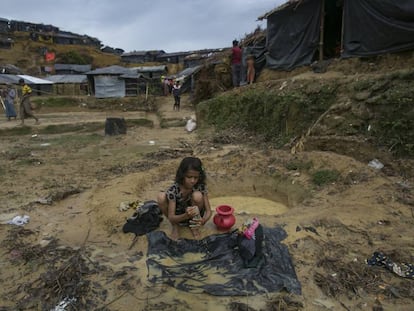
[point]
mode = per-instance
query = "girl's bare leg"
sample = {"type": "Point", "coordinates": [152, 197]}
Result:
{"type": "Point", "coordinates": [174, 233]}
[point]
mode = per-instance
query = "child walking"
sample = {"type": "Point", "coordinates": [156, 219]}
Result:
{"type": "Point", "coordinates": [176, 91]}
{"type": "Point", "coordinates": [186, 202]}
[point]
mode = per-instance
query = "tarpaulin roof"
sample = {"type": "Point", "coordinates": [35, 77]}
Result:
{"type": "Point", "coordinates": [34, 80]}
{"type": "Point", "coordinates": [67, 78]}
{"type": "Point", "coordinates": [73, 67]}
{"type": "Point", "coordinates": [189, 71]}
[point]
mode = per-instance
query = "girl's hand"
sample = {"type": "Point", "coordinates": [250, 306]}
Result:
{"type": "Point", "coordinates": [196, 223]}
{"type": "Point", "coordinates": [192, 211]}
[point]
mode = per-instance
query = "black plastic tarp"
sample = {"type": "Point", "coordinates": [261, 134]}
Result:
{"type": "Point", "coordinates": [369, 28]}
{"type": "Point", "coordinates": [378, 27]}
{"type": "Point", "coordinates": [219, 269]}
{"type": "Point", "coordinates": [293, 35]}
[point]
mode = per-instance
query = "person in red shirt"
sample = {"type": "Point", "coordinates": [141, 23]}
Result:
{"type": "Point", "coordinates": [236, 59]}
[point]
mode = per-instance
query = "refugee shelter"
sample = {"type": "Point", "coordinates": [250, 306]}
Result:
{"type": "Point", "coordinates": [135, 83]}
{"type": "Point", "coordinates": [302, 31]}
{"type": "Point", "coordinates": [107, 82]}
{"type": "Point", "coordinates": [38, 86]}
{"type": "Point", "coordinates": [67, 69]}
{"type": "Point", "coordinates": [172, 58]}
{"type": "Point", "coordinates": [141, 56]}
{"type": "Point", "coordinates": [152, 72]}
{"type": "Point", "coordinates": [70, 84]}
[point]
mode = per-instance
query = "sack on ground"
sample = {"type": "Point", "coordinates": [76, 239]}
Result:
{"type": "Point", "coordinates": [146, 218]}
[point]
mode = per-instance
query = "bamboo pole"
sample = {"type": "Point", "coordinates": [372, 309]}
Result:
{"type": "Point", "coordinates": [322, 27]}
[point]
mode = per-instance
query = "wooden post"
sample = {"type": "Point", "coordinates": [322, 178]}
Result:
{"type": "Point", "coordinates": [342, 29]}
{"type": "Point", "coordinates": [321, 36]}
{"type": "Point", "coordinates": [146, 91]}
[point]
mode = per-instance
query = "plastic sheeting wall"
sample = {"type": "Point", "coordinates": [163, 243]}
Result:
{"type": "Point", "coordinates": [293, 35]}
{"type": "Point", "coordinates": [109, 86]}
{"type": "Point", "coordinates": [371, 27]}
{"type": "Point", "coordinates": [378, 27]}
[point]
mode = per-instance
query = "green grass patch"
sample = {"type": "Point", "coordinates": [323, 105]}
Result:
{"type": "Point", "coordinates": [323, 177]}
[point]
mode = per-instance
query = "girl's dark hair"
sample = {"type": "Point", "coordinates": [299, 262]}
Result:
{"type": "Point", "coordinates": [190, 163]}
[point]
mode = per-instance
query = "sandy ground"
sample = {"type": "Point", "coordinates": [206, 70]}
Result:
{"type": "Point", "coordinates": [331, 230]}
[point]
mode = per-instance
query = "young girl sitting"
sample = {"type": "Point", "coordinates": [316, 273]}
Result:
{"type": "Point", "coordinates": [186, 202]}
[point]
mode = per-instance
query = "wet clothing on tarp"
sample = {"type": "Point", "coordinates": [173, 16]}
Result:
{"type": "Point", "coordinates": [405, 270]}
{"type": "Point", "coordinates": [218, 269]}
{"type": "Point", "coordinates": [146, 218]}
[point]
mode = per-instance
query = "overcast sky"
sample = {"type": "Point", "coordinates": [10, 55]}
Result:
{"type": "Point", "coordinates": [136, 25]}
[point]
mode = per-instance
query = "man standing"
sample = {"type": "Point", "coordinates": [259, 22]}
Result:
{"type": "Point", "coordinates": [236, 57]}
{"type": "Point", "coordinates": [25, 106]}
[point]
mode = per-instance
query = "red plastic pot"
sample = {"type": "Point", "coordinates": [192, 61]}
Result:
{"type": "Point", "coordinates": [224, 219]}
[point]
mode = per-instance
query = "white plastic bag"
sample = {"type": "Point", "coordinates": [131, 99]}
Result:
{"type": "Point", "coordinates": [191, 125]}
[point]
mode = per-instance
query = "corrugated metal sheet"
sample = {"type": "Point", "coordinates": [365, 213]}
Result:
{"type": "Point", "coordinates": [73, 67]}
{"type": "Point", "coordinates": [107, 86]}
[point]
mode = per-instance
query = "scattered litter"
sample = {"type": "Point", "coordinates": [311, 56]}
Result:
{"type": "Point", "coordinates": [124, 206]}
{"type": "Point", "coordinates": [34, 135]}
{"type": "Point", "coordinates": [19, 220]}
{"type": "Point", "coordinates": [151, 142]}
{"type": "Point", "coordinates": [45, 144]}
{"type": "Point", "coordinates": [61, 306]}
{"type": "Point", "coordinates": [191, 125]}
{"type": "Point", "coordinates": [375, 163]}
{"type": "Point", "coordinates": [403, 269]}
{"type": "Point", "coordinates": [284, 84]}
